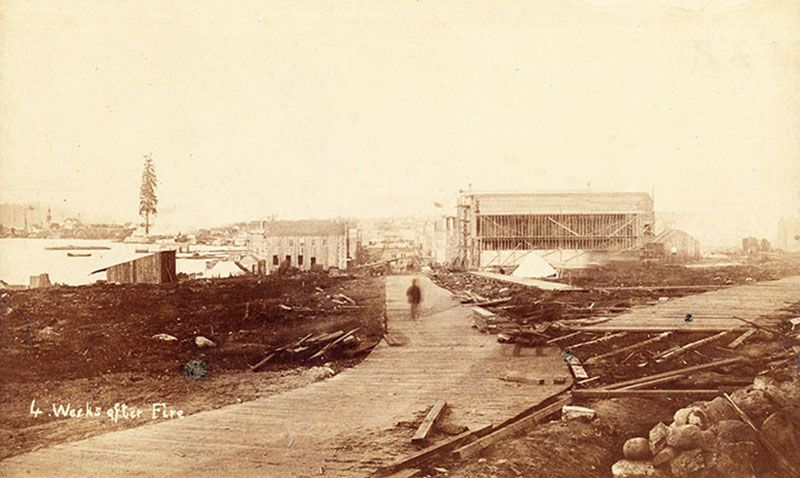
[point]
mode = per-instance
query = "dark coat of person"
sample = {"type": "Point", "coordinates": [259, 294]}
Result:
{"type": "Point", "coordinates": [414, 294]}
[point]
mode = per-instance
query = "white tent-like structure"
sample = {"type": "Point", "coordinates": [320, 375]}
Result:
{"type": "Point", "coordinates": [223, 269]}
{"type": "Point", "coordinates": [534, 267]}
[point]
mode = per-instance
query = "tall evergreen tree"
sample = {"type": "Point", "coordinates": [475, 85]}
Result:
{"type": "Point", "coordinates": [147, 192]}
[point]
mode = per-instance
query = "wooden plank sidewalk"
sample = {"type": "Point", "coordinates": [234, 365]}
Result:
{"type": "Point", "coordinates": [711, 311]}
{"type": "Point", "coordinates": [343, 426]}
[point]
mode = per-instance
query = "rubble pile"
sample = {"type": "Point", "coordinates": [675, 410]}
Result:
{"type": "Point", "coordinates": [522, 313]}
{"type": "Point", "coordinates": [711, 439]}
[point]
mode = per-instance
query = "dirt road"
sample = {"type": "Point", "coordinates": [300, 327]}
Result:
{"type": "Point", "coordinates": [347, 425]}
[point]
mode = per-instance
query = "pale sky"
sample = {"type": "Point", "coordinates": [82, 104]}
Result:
{"type": "Point", "coordinates": [356, 108]}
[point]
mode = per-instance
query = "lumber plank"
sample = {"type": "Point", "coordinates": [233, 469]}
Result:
{"type": "Point", "coordinates": [601, 339]}
{"type": "Point", "coordinates": [606, 393]}
{"type": "Point", "coordinates": [679, 372]}
{"type": "Point", "coordinates": [430, 419]}
{"type": "Point", "coordinates": [655, 381]}
{"type": "Point", "coordinates": [492, 302]}
{"type": "Point", "coordinates": [601, 357]}
{"type": "Point", "coordinates": [564, 337]}
{"type": "Point", "coordinates": [262, 362]}
{"type": "Point", "coordinates": [577, 369]}
{"type": "Point", "coordinates": [740, 339]}
{"type": "Point", "coordinates": [330, 345]}
{"type": "Point", "coordinates": [673, 327]}
{"type": "Point", "coordinates": [519, 426]}
{"type": "Point", "coordinates": [430, 452]}
{"type": "Point", "coordinates": [407, 473]}
{"type": "Point", "coordinates": [763, 327]}
{"type": "Point", "coordinates": [395, 339]}
{"type": "Point", "coordinates": [681, 349]}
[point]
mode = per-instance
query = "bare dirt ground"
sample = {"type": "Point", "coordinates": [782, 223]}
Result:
{"type": "Point", "coordinates": [95, 344]}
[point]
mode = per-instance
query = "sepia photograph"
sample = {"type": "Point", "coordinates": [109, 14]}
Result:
{"type": "Point", "coordinates": [406, 238]}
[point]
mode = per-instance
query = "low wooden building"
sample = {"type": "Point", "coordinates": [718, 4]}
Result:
{"type": "Point", "coordinates": [678, 244]}
{"type": "Point", "coordinates": [158, 268]}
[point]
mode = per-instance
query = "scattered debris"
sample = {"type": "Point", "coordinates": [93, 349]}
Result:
{"type": "Point", "coordinates": [320, 373]}
{"type": "Point", "coordinates": [509, 429]}
{"type": "Point", "coordinates": [634, 346]}
{"type": "Point", "coordinates": [311, 347]}
{"type": "Point", "coordinates": [426, 455]}
{"type": "Point", "coordinates": [201, 342]}
{"type": "Point", "coordinates": [165, 337]}
{"type": "Point", "coordinates": [574, 412]}
{"type": "Point", "coordinates": [681, 349]}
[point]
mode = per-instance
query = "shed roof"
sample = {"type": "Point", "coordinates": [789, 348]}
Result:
{"type": "Point", "coordinates": [159, 253]}
{"type": "Point", "coordinates": [666, 234]}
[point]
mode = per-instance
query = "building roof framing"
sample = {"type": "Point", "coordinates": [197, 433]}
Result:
{"type": "Point", "coordinates": [580, 221]}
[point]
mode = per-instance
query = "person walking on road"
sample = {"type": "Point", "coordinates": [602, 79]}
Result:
{"type": "Point", "coordinates": [414, 298]}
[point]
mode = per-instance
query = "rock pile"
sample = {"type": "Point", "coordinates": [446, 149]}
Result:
{"type": "Point", "coordinates": [707, 439]}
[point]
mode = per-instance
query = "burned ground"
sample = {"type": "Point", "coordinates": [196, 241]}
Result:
{"type": "Point", "coordinates": [96, 343]}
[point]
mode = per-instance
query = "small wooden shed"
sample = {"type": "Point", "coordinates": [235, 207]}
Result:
{"type": "Point", "coordinates": [158, 268]}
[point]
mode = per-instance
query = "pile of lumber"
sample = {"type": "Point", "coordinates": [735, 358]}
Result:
{"type": "Point", "coordinates": [311, 348]}
{"type": "Point", "coordinates": [488, 322]}
{"type": "Point", "coordinates": [469, 297]}
{"type": "Point", "coordinates": [509, 331]}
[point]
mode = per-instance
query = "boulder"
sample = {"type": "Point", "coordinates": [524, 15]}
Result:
{"type": "Point", "coordinates": [784, 394]}
{"type": "Point", "coordinates": [658, 438]}
{"type": "Point", "coordinates": [707, 439]}
{"type": "Point", "coordinates": [733, 431]}
{"type": "Point", "coordinates": [687, 463]}
{"type": "Point", "coordinates": [783, 431]}
{"type": "Point", "coordinates": [698, 417]}
{"type": "Point", "coordinates": [665, 456]}
{"type": "Point", "coordinates": [637, 449]}
{"type": "Point", "coordinates": [756, 404]}
{"type": "Point", "coordinates": [681, 417]}
{"type": "Point", "coordinates": [635, 469]}
{"type": "Point", "coordinates": [763, 382]}
{"type": "Point", "coordinates": [684, 437]}
{"type": "Point", "coordinates": [736, 460]}
{"type": "Point", "coordinates": [719, 409]}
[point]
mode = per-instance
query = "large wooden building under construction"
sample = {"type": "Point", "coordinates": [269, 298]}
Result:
{"type": "Point", "coordinates": [568, 229]}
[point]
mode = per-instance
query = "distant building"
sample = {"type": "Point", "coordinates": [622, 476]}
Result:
{"type": "Point", "coordinates": [304, 244]}
{"type": "Point", "coordinates": [158, 268]}
{"type": "Point", "coordinates": [788, 235]}
{"type": "Point", "coordinates": [678, 244]}
{"type": "Point", "coordinates": [445, 240]}
{"type": "Point", "coordinates": [568, 229]}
